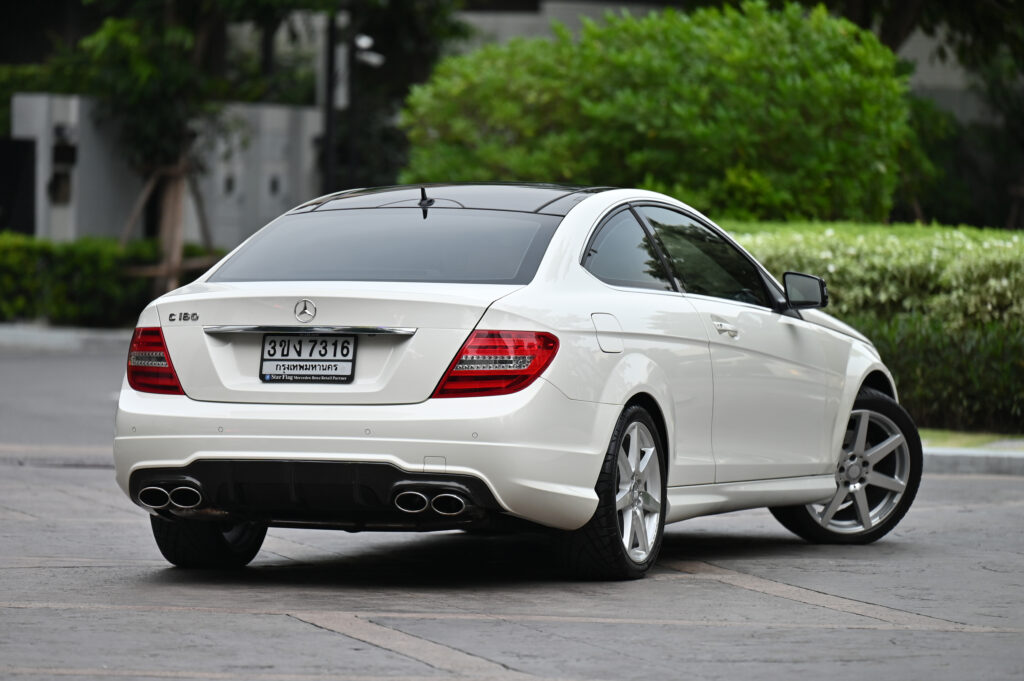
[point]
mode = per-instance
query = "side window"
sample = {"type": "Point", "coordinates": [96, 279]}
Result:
{"type": "Point", "coordinates": [706, 263]}
{"type": "Point", "coordinates": [622, 254]}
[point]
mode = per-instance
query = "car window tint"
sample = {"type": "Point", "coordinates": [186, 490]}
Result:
{"type": "Point", "coordinates": [444, 245]}
{"type": "Point", "coordinates": [706, 263]}
{"type": "Point", "coordinates": [622, 254]}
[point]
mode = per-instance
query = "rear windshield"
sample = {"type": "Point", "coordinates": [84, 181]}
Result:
{"type": "Point", "coordinates": [449, 245]}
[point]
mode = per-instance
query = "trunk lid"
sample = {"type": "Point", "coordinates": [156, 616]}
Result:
{"type": "Point", "coordinates": [405, 336]}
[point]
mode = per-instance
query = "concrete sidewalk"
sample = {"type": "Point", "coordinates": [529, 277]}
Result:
{"type": "Point", "coordinates": [1004, 457]}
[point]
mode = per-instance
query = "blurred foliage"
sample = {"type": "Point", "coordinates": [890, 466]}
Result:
{"type": "Point", "coordinates": [411, 35]}
{"type": "Point", "coordinates": [942, 305]}
{"type": "Point", "coordinates": [149, 79]}
{"type": "Point", "coordinates": [163, 69]}
{"type": "Point", "coordinates": [970, 30]}
{"type": "Point", "coordinates": [78, 283]}
{"type": "Point", "coordinates": [21, 281]}
{"type": "Point", "coordinates": [755, 113]}
{"type": "Point", "coordinates": [159, 70]}
{"type": "Point", "coordinates": [964, 173]}
{"type": "Point", "coordinates": [924, 157]}
{"type": "Point", "coordinates": [969, 379]}
{"type": "Point", "coordinates": [959, 276]}
{"type": "Point", "coordinates": [291, 81]}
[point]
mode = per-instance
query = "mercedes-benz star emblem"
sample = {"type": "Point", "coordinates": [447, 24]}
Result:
{"type": "Point", "coordinates": [305, 310]}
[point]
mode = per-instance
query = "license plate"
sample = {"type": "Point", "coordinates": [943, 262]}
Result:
{"type": "Point", "coordinates": [307, 359]}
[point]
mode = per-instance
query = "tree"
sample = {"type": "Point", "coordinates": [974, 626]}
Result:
{"type": "Point", "coordinates": [746, 112]}
{"type": "Point", "coordinates": [411, 35]}
{"type": "Point", "coordinates": [974, 31]}
{"type": "Point", "coordinates": [161, 71]}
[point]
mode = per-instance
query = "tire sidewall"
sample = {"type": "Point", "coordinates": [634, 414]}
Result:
{"type": "Point", "coordinates": [608, 485]}
{"type": "Point", "coordinates": [799, 519]}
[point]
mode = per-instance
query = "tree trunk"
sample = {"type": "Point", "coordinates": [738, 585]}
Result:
{"type": "Point", "coordinates": [268, 29]}
{"type": "Point", "coordinates": [172, 229]}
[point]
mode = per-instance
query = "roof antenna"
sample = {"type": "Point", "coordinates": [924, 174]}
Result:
{"type": "Point", "coordinates": [425, 203]}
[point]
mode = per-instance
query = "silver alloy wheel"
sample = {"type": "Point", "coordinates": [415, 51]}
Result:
{"type": "Point", "coordinates": [638, 499]}
{"type": "Point", "coordinates": [872, 475]}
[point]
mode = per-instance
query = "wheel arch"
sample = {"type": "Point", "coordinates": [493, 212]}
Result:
{"type": "Point", "coordinates": [879, 381]}
{"type": "Point", "coordinates": [863, 370]}
{"type": "Point", "coordinates": [651, 406]}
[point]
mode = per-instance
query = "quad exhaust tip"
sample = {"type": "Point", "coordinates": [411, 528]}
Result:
{"type": "Point", "coordinates": [411, 502]}
{"type": "Point", "coordinates": [155, 498]}
{"type": "Point", "coordinates": [185, 497]}
{"type": "Point", "coordinates": [448, 504]}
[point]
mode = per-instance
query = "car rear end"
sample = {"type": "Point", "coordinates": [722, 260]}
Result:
{"type": "Point", "coordinates": [333, 372]}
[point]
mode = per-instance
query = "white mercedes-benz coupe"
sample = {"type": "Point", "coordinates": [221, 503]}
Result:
{"type": "Point", "coordinates": [593, 361]}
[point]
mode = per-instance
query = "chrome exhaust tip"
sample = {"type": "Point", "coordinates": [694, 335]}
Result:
{"type": "Point", "coordinates": [155, 498]}
{"type": "Point", "coordinates": [448, 504]}
{"type": "Point", "coordinates": [185, 497]}
{"type": "Point", "coordinates": [411, 502]}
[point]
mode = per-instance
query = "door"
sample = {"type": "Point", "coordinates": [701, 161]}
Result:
{"type": "Point", "coordinates": [771, 381]}
{"type": "Point", "coordinates": [644, 324]}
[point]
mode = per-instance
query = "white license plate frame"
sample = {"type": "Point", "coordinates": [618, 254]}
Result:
{"type": "Point", "coordinates": [307, 358]}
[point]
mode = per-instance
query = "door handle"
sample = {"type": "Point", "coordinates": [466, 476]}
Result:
{"type": "Point", "coordinates": [723, 327]}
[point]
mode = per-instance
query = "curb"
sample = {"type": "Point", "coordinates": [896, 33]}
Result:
{"type": "Point", "coordinates": [40, 337]}
{"type": "Point", "coordinates": [977, 461]}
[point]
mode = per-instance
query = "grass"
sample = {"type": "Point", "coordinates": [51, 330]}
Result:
{"type": "Point", "coordinates": [951, 438]}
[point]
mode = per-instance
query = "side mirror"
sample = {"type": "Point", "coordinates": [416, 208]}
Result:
{"type": "Point", "coordinates": [804, 291]}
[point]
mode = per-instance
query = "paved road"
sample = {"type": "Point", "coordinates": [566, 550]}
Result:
{"type": "Point", "coordinates": [59, 406]}
{"type": "Point", "coordinates": [84, 594]}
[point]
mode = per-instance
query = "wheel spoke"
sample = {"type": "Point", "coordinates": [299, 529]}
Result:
{"type": "Point", "coordinates": [640, 527]}
{"type": "Point", "coordinates": [884, 449]}
{"type": "Point", "coordinates": [860, 442]}
{"type": "Point", "coordinates": [860, 502]}
{"type": "Point", "coordinates": [622, 499]}
{"type": "Point", "coordinates": [625, 470]}
{"type": "Point", "coordinates": [634, 447]}
{"type": "Point", "coordinates": [649, 503]}
{"type": "Point", "coordinates": [627, 528]}
{"type": "Point", "coordinates": [833, 506]}
{"type": "Point", "coordinates": [885, 482]}
{"type": "Point", "coordinates": [645, 462]}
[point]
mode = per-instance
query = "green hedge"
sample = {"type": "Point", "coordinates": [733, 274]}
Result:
{"type": "Point", "coordinates": [80, 283]}
{"type": "Point", "coordinates": [22, 262]}
{"type": "Point", "coordinates": [968, 379]}
{"type": "Point", "coordinates": [962, 276]}
{"type": "Point", "coordinates": [942, 305]}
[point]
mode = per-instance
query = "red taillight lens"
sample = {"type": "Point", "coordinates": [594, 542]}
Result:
{"type": "Point", "coordinates": [497, 363]}
{"type": "Point", "coordinates": [149, 365]}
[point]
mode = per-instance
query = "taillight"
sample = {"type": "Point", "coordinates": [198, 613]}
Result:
{"type": "Point", "coordinates": [497, 363]}
{"type": "Point", "coordinates": [149, 365]}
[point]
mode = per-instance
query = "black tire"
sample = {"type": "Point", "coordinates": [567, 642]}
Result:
{"type": "Point", "coordinates": [865, 486]}
{"type": "Point", "coordinates": [204, 544]}
{"type": "Point", "coordinates": [598, 549]}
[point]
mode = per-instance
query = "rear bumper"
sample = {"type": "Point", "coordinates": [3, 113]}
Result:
{"type": "Point", "coordinates": [536, 452]}
{"type": "Point", "coordinates": [341, 495]}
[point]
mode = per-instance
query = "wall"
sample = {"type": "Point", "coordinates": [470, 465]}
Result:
{"type": "Point", "coordinates": [102, 186]}
{"type": "Point", "coordinates": [266, 166]}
